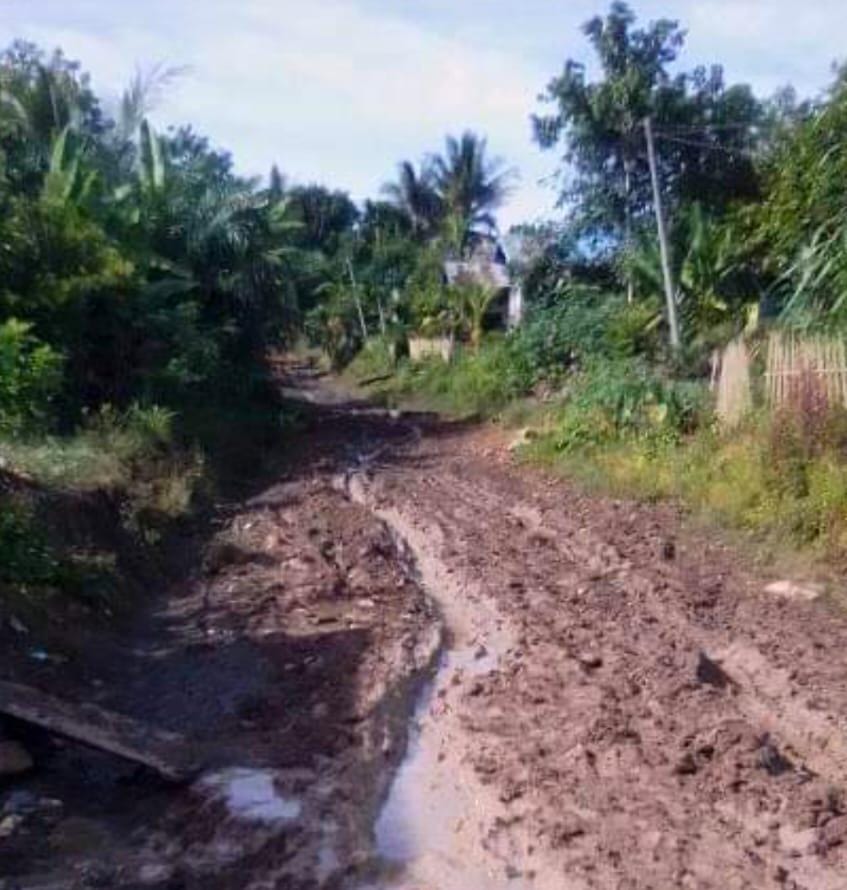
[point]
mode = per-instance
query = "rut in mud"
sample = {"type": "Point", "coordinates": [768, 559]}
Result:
{"type": "Point", "coordinates": [615, 703]}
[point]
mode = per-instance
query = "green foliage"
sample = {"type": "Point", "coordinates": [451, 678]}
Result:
{"type": "Point", "coordinates": [475, 383]}
{"type": "Point", "coordinates": [612, 401]}
{"type": "Point", "coordinates": [25, 556]}
{"type": "Point", "coordinates": [599, 124]}
{"type": "Point", "coordinates": [768, 478]}
{"type": "Point", "coordinates": [30, 376]}
{"type": "Point", "coordinates": [377, 358]}
{"type": "Point", "coordinates": [452, 199]}
{"type": "Point", "coordinates": [584, 323]}
{"type": "Point", "coordinates": [799, 232]}
{"type": "Point", "coordinates": [710, 269]}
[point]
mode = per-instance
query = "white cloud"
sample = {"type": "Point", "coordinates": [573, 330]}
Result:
{"type": "Point", "coordinates": [340, 90]}
{"type": "Point", "coordinates": [330, 91]}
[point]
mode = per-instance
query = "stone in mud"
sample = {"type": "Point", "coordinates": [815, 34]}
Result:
{"type": "Point", "coordinates": [711, 673]}
{"type": "Point", "coordinates": [590, 660]}
{"type": "Point", "coordinates": [155, 874]}
{"type": "Point", "coordinates": [320, 711]}
{"type": "Point", "coordinates": [770, 759]}
{"type": "Point", "coordinates": [569, 827]}
{"type": "Point", "coordinates": [790, 590]}
{"type": "Point", "coordinates": [9, 825]}
{"type": "Point", "coordinates": [686, 765]}
{"type": "Point", "coordinates": [14, 758]}
{"type": "Point", "coordinates": [834, 833]}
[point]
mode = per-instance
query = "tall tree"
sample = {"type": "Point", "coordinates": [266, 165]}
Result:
{"type": "Point", "coordinates": [471, 186]}
{"type": "Point", "coordinates": [705, 130]}
{"type": "Point", "coordinates": [414, 193]}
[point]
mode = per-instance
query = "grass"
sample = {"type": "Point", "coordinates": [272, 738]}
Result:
{"type": "Point", "coordinates": [730, 480]}
{"type": "Point", "coordinates": [620, 427]}
{"type": "Point", "coordinates": [131, 455]}
{"type": "Point", "coordinates": [476, 383]}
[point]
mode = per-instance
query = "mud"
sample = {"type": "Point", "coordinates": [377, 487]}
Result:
{"type": "Point", "coordinates": [413, 663]}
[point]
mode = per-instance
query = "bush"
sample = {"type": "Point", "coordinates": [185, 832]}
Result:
{"type": "Point", "coordinates": [30, 377]}
{"type": "Point", "coordinates": [376, 358]}
{"type": "Point", "coordinates": [585, 324]}
{"type": "Point", "coordinates": [613, 400]}
{"type": "Point", "coordinates": [476, 382]}
{"type": "Point", "coordinates": [132, 452]}
{"type": "Point", "coordinates": [25, 557]}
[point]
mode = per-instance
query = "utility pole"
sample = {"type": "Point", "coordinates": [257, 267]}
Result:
{"type": "Point", "coordinates": [670, 294]}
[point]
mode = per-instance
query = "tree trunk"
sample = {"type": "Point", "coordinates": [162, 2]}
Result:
{"type": "Point", "coordinates": [627, 187]}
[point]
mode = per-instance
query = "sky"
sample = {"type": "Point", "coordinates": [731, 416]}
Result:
{"type": "Point", "coordinates": [339, 91]}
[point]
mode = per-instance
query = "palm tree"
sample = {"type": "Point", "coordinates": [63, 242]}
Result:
{"type": "Point", "coordinates": [414, 193]}
{"type": "Point", "coordinates": [470, 186]}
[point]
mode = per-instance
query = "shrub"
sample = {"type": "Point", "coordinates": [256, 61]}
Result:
{"type": "Point", "coordinates": [613, 400]}
{"type": "Point", "coordinates": [30, 376]}
{"type": "Point", "coordinates": [474, 383]}
{"type": "Point", "coordinates": [585, 324]}
{"type": "Point", "coordinates": [376, 358]}
{"type": "Point", "coordinates": [25, 557]}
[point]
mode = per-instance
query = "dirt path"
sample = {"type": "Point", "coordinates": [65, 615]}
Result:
{"type": "Point", "coordinates": [590, 696]}
{"type": "Point", "coordinates": [659, 720]}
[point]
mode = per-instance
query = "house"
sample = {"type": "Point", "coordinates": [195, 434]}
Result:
{"type": "Point", "coordinates": [487, 265]}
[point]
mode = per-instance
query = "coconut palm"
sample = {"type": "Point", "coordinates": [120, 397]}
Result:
{"type": "Point", "coordinates": [414, 193]}
{"type": "Point", "coordinates": [470, 186]}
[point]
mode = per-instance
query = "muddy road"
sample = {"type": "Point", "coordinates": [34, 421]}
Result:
{"type": "Point", "coordinates": [413, 663]}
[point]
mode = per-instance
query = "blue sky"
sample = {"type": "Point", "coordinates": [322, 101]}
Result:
{"type": "Point", "coordinates": [339, 90]}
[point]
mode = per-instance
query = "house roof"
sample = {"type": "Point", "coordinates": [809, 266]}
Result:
{"type": "Point", "coordinates": [478, 271]}
{"type": "Point", "coordinates": [486, 265]}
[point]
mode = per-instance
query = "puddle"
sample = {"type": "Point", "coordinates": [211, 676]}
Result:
{"type": "Point", "coordinates": [428, 830]}
{"type": "Point", "coordinates": [251, 795]}
{"type": "Point", "coordinates": [432, 832]}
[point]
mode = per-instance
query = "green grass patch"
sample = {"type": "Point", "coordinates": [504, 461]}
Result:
{"type": "Point", "coordinates": [732, 480]}
{"type": "Point", "coordinates": [475, 383]}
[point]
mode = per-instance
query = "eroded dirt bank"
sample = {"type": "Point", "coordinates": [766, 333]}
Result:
{"type": "Point", "coordinates": [619, 704]}
{"type": "Point", "coordinates": [289, 660]}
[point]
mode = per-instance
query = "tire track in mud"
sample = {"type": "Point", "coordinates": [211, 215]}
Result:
{"type": "Point", "coordinates": [638, 732]}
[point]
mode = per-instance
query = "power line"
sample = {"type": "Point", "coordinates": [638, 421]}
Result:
{"type": "Point", "coordinates": [708, 146]}
{"type": "Point", "coordinates": [699, 128]}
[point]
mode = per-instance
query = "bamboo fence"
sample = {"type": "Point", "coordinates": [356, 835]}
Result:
{"type": "Point", "coordinates": [792, 359]}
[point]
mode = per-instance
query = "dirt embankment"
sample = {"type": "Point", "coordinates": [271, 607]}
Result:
{"type": "Point", "coordinates": [620, 703]}
{"type": "Point", "coordinates": [289, 660]}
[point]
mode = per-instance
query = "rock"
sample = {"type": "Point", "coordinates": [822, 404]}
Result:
{"type": "Point", "coordinates": [790, 590]}
{"type": "Point", "coordinates": [834, 833]}
{"type": "Point", "coordinates": [570, 826]}
{"type": "Point", "coordinates": [14, 758]}
{"type": "Point", "coordinates": [320, 711]}
{"type": "Point", "coordinates": [155, 874]}
{"type": "Point", "coordinates": [668, 550]}
{"type": "Point", "coordinates": [9, 825]}
{"type": "Point", "coordinates": [17, 625]}
{"type": "Point", "coordinates": [19, 803]}
{"type": "Point", "coordinates": [523, 437]}
{"type": "Point", "coordinates": [686, 765]}
{"type": "Point", "coordinates": [770, 758]}
{"type": "Point", "coordinates": [590, 660]}
{"type": "Point", "coordinates": [711, 673]}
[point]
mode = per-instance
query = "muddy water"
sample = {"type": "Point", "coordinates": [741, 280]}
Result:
{"type": "Point", "coordinates": [429, 830]}
{"type": "Point", "coordinates": [434, 830]}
